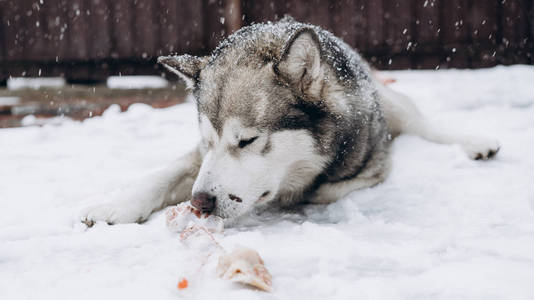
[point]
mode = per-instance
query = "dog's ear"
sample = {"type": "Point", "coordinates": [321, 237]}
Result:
{"type": "Point", "coordinates": [186, 66]}
{"type": "Point", "coordinates": [300, 63]}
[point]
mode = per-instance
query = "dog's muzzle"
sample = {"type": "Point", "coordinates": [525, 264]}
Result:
{"type": "Point", "coordinates": [203, 202]}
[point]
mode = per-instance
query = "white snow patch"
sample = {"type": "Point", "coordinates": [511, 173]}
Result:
{"type": "Point", "coordinates": [28, 120]}
{"type": "Point", "coordinates": [9, 100]}
{"type": "Point", "coordinates": [20, 83]}
{"type": "Point", "coordinates": [32, 120]}
{"type": "Point", "coordinates": [440, 227]}
{"type": "Point", "coordinates": [136, 82]}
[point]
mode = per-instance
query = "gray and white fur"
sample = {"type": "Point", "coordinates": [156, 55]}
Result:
{"type": "Point", "coordinates": [288, 114]}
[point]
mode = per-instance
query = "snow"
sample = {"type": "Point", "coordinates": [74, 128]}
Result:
{"type": "Point", "coordinates": [136, 82]}
{"type": "Point", "coordinates": [9, 100]}
{"type": "Point", "coordinates": [20, 83]}
{"type": "Point", "coordinates": [440, 227]}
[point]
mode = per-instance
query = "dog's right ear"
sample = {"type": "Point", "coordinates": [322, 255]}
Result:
{"type": "Point", "coordinates": [300, 63]}
{"type": "Point", "coordinates": [186, 66]}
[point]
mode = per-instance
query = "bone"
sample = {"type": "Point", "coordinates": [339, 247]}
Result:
{"type": "Point", "coordinates": [185, 218]}
{"type": "Point", "coordinates": [244, 265]}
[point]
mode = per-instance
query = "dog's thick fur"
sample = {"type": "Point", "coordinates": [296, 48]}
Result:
{"type": "Point", "coordinates": [288, 113]}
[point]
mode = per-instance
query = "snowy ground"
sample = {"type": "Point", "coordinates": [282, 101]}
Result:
{"type": "Point", "coordinates": [113, 82]}
{"type": "Point", "coordinates": [441, 226]}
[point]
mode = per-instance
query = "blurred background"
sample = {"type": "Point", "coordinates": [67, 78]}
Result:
{"type": "Point", "coordinates": [75, 57]}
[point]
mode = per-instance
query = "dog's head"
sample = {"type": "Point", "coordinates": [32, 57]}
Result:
{"type": "Point", "coordinates": [259, 108]}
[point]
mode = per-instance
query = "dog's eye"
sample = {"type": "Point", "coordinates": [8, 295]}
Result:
{"type": "Point", "coordinates": [244, 143]}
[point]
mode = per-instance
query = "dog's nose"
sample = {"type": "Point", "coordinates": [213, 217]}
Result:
{"type": "Point", "coordinates": [203, 202]}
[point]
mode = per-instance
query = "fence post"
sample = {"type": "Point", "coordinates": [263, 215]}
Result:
{"type": "Point", "coordinates": [232, 13]}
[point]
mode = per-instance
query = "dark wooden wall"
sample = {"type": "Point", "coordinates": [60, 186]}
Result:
{"type": "Point", "coordinates": [87, 40]}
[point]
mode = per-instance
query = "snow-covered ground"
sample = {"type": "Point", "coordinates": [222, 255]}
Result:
{"type": "Point", "coordinates": [20, 83]}
{"type": "Point", "coordinates": [136, 82]}
{"type": "Point", "coordinates": [440, 227]}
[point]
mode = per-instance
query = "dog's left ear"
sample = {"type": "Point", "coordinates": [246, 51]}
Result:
{"type": "Point", "coordinates": [300, 63]}
{"type": "Point", "coordinates": [186, 66]}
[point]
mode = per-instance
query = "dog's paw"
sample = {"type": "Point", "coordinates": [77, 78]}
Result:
{"type": "Point", "coordinates": [111, 214]}
{"type": "Point", "coordinates": [479, 148]}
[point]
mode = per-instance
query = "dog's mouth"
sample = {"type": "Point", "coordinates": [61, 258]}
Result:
{"type": "Point", "coordinates": [263, 197]}
{"type": "Point", "coordinates": [224, 214]}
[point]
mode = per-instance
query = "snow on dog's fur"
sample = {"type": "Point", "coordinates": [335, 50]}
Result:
{"type": "Point", "coordinates": [288, 113]}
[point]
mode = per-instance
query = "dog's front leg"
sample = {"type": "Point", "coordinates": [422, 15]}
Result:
{"type": "Point", "coordinates": [169, 186]}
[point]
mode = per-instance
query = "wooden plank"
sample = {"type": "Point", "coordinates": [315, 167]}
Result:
{"type": "Point", "coordinates": [145, 29]}
{"type": "Point", "coordinates": [398, 29]}
{"type": "Point", "coordinates": [122, 29]}
{"type": "Point", "coordinates": [79, 65]}
{"type": "Point", "coordinates": [3, 3]}
{"type": "Point", "coordinates": [361, 25]}
{"type": "Point", "coordinates": [455, 33]}
{"type": "Point", "coordinates": [232, 14]}
{"type": "Point", "coordinates": [214, 24]}
{"type": "Point", "coordinates": [297, 9]}
{"type": "Point", "coordinates": [398, 32]}
{"type": "Point", "coordinates": [14, 38]}
{"type": "Point", "coordinates": [3, 62]}
{"type": "Point", "coordinates": [484, 31]}
{"type": "Point", "coordinates": [56, 24]}
{"type": "Point", "coordinates": [319, 12]}
{"type": "Point", "coordinates": [530, 21]}
{"type": "Point", "coordinates": [28, 40]}
{"type": "Point", "coordinates": [513, 46]}
{"type": "Point", "coordinates": [315, 12]}
{"type": "Point", "coordinates": [375, 29]}
{"type": "Point", "coordinates": [34, 42]}
{"type": "Point", "coordinates": [100, 32]}
{"type": "Point", "coordinates": [167, 16]}
{"type": "Point", "coordinates": [190, 31]}
{"type": "Point", "coordinates": [77, 31]}
{"type": "Point", "coordinates": [427, 31]}
{"type": "Point", "coordinates": [345, 21]}
{"type": "Point", "coordinates": [349, 22]}
{"type": "Point", "coordinates": [263, 11]}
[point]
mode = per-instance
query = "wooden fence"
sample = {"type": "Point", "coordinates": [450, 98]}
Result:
{"type": "Point", "coordinates": [87, 40]}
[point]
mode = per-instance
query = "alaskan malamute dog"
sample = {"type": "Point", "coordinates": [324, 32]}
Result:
{"type": "Point", "coordinates": [288, 114]}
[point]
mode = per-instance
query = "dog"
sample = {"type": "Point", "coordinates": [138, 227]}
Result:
{"type": "Point", "coordinates": [288, 113]}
